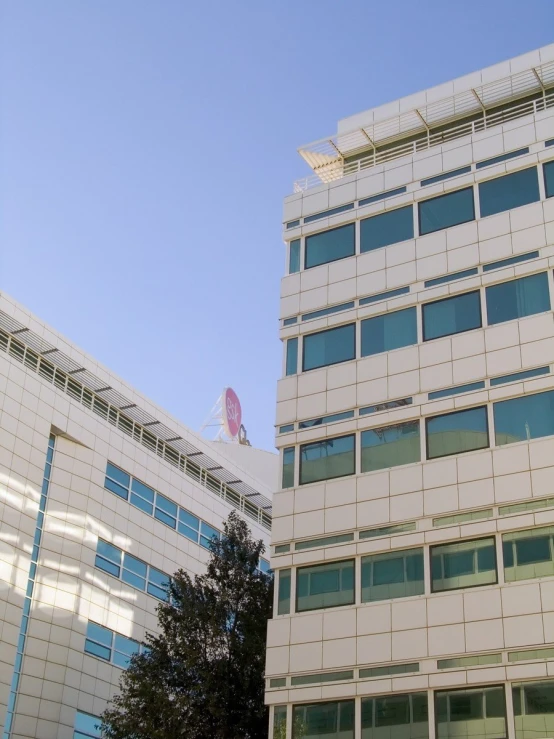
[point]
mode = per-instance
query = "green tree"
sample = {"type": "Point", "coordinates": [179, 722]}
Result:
{"type": "Point", "coordinates": [202, 676]}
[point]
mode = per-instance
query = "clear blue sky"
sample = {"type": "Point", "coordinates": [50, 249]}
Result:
{"type": "Point", "coordinates": [146, 147]}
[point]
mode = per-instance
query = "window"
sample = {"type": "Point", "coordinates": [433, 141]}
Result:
{"type": "Point", "coordinates": [166, 511]}
{"type": "Point", "coordinates": [451, 315]}
{"type": "Point", "coordinates": [329, 347]}
{"type": "Point", "coordinates": [474, 712]}
{"type": "Point", "coordinates": [294, 256]}
{"type": "Point", "coordinates": [288, 467]}
{"type": "Point", "coordinates": [188, 525]}
{"type": "Point", "coordinates": [325, 586]}
{"type": "Point", "coordinates": [517, 298]}
{"type": "Point", "coordinates": [389, 331]}
{"type": "Point", "coordinates": [117, 481]}
{"type": "Point", "coordinates": [158, 583]}
{"type": "Point", "coordinates": [207, 533]}
{"type": "Point", "coordinates": [87, 726]}
{"type": "Point", "coordinates": [134, 571]}
{"type": "Point", "coordinates": [392, 575]}
{"type": "Point", "coordinates": [455, 433]}
{"type": "Point", "coordinates": [390, 446]}
{"type": "Point", "coordinates": [292, 356]}
{"type": "Point", "coordinates": [509, 191]}
{"type": "Point", "coordinates": [324, 460]}
{"type": "Point", "coordinates": [549, 179]}
{"type": "Point", "coordinates": [279, 722]}
{"type": "Point", "coordinates": [328, 246]}
{"type": "Point", "coordinates": [466, 564]}
{"type": "Point", "coordinates": [395, 716]}
{"type": "Point", "coordinates": [528, 554]}
{"type": "Point", "coordinates": [283, 594]}
{"type": "Point", "coordinates": [107, 645]}
{"type": "Point", "coordinates": [331, 720]}
{"type": "Point", "coordinates": [387, 228]}
{"type": "Point", "coordinates": [108, 558]}
{"type": "Point", "coordinates": [534, 709]}
{"type": "Point", "coordinates": [131, 570]}
{"type": "Point", "coordinates": [524, 418]}
{"type": "Point", "coordinates": [142, 497]}
{"type": "Point", "coordinates": [446, 210]}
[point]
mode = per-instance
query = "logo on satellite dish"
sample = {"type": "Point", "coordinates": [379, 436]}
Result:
{"type": "Point", "coordinates": [232, 413]}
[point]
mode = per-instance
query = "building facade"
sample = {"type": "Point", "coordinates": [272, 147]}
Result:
{"type": "Point", "coordinates": [103, 496]}
{"type": "Point", "coordinates": [413, 532]}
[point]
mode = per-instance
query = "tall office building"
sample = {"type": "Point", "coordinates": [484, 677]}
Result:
{"type": "Point", "coordinates": [413, 534]}
{"type": "Point", "coordinates": [103, 495]}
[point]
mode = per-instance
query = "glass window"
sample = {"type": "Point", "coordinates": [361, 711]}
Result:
{"type": "Point", "coordinates": [446, 210]}
{"type": "Point", "coordinates": [509, 191]}
{"type": "Point", "coordinates": [479, 713]}
{"type": "Point", "coordinates": [528, 554]}
{"type": "Point", "coordinates": [294, 256]}
{"type": "Point", "coordinates": [207, 533]}
{"type": "Point", "coordinates": [389, 331]}
{"type": "Point", "coordinates": [283, 595]}
{"type": "Point", "coordinates": [158, 583]}
{"type": "Point", "coordinates": [324, 460]}
{"type": "Point", "coordinates": [524, 418]}
{"type": "Point", "coordinates": [134, 572]}
{"type": "Point", "coordinates": [390, 446]}
{"type": "Point", "coordinates": [166, 511]}
{"type": "Point", "coordinates": [292, 356]}
{"type": "Point", "coordinates": [392, 575]}
{"type": "Point", "coordinates": [395, 717]}
{"type": "Point", "coordinates": [142, 496]}
{"type": "Point", "coordinates": [288, 467]}
{"type": "Point", "coordinates": [188, 525]}
{"type": "Point", "coordinates": [534, 709]}
{"type": "Point", "coordinates": [466, 564]}
{"type": "Point", "coordinates": [331, 720]}
{"type": "Point", "coordinates": [108, 558]}
{"type": "Point", "coordinates": [329, 246]}
{"type": "Point", "coordinates": [325, 586]}
{"type": "Point", "coordinates": [549, 179]}
{"type": "Point", "coordinates": [279, 722]}
{"type": "Point", "coordinates": [455, 433]}
{"type": "Point", "coordinates": [329, 347]}
{"type": "Point", "coordinates": [87, 726]}
{"type": "Point", "coordinates": [99, 641]}
{"type": "Point", "coordinates": [452, 315]}
{"type": "Point", "coordinates": [124, 648]}
{"type": "Point", "coordinates": [517, 298]}
{"type": "Point", "coordinates": [117, 481]}
{"type": "Point", "coordinates": [387, 228]}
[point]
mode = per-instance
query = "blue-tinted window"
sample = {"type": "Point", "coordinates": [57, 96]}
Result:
{"type": "Point", "coordinates": [86, 726]}
{"type": "Point", "coordinates": [446, 210]}
{"type": "Point", "coordinates": [384, 296]}
{"type": "Point", "coordinates": [382, 196]}
{"type": "Point", "coordinates": [98, 641]}
{"type": "Point", "coordinates": [292, 356]}
{"type": "Point", "coordinates": [188, 525]}
{"type": "Point", "coordinates": [158, 583]}
{"type": "Point", "coordinates": [517, 298]}
{"type": "Point", "coordinates": [166, 511]}
{"type": "Point", "coordinates": [452, 315]}
{"type": "Point", "coordinates": [134, 571]}
{"type": "Point", "coordinates": [524, 418]}
{"type": "Point", "coordinates": [389, 331]}
{"type": "Point", "coordinates": [511, 260]}
{"type": "Point", "coordinates": [288, 467]}
{"type": "Point", "coordinates": [324, 460]}
{"type": "Point", "coordinates": [509, 191]}
{"type": "Point", "coordinates": [445, 176]}
{"type": "Point", "coordinates": [501, 158]}
{"type": "Point", "coordinates": [455, 433]}
{"type": "Point", "coordinates": [294, 256]}
{"type": "Point", "coordinates": [390, 446]}
{"type": "Point", "coordinates": [108, 558]}
{"type": "Point", "coordinates": [549, 179]}
{"type": "Point", "coordinates": [207, 533]}
{"type": "Point", "coordinates": [451, 277]}
{"type": "Point", "coordinates": [516, 376]}
{"type": "Point", "coordinates": [117, 481]}
{"type": "Point", "coordinates": [124, 648]}
{"type": "Point", "coordinates": [142, 496]}
{"type": "Point", "coordinates": [329, 246]}
{"type": "Point", "coordinates": [283, 593]}
{"type": "Point", "coordinates": [329, 347]}
{"type": "Point", "coordinates": [386, 228]}
{"type": "Point", "coordinates": [327, 213]}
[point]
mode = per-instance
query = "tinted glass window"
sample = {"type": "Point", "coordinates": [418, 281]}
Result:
{"type": "Point", "coordinates": [329, 347]}
{"type": "Point", "coordinates": [389, 331]}
{"type": "Point", "coordinates": [534, 709]}
{"type": "Point", "coordinates": [524, 418]}
{"type": "Point", "coordinates": [324, 460]}
{"type": "Point", "coordinates": [463, 565]}
{"type": "Point", "coordinates": [325, 586]}
{"type": "Point", "coordinates": [329, 720]}
{"type": "Point", "coordinates": [459, 432]}
{"type": "Point", "coordinates": [294, 256]}
{"type": "Point", "coordinates": [396, 575]}
{"type": "Point", "coordinates": [283, 595]}
{"type": "Point", "coordinates": [510, 191]}
{"type": "Point", "coordinates": [292, 356]}
{"type": "Point", "coordinates": [329, 246]}
{"type": "Point", "coordinates": [549, 179]}
{"type": "Point", "coordinates": [386, 228]}
{"type": "Point", "coordinates": [390, 446]}
{"type": "Point", "coordinates": [395, 716]}
{"type": "Point", "coordinates": [473, 712]}
{"type": "Point", "coordinates": [446, 210]}
{"type": "Point", "coordinates": [528, 554]}
{"type": "Point", "coordinates": [517, 298]}
{"type": "Point", "coordinates": [288, 467]}
{"type": "Point", "coordinates": [452, 316]}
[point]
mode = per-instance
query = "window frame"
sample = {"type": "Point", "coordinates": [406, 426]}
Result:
{"type": "Point", "coordinates": [298, 570]}
{"type": "Point", "coordinates": [484, 183]}
{"type": "Point", "coordinates": [477, 292]}
{"type": "Point", "coordinates": [326, 231]}
{"type": "Point", "coordinates": [445, 195]}
{"type": "Point", "coordinates": [433, 547]}
{"type": "Point", "coordinates": [351, 325]}
{"type": "Point", "coordinates": [325, 441]}
{"type": "Point", "coordinates": [484, 407]}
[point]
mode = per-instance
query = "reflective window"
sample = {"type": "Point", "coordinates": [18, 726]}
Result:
{"type": "Point", "coordinates": [188, 525]}
{"type": "Point", "coordinates": [207, 533]}
{"type": "Point", "coordinates": [158, 583]}
{"type": "Point", "coordinates": [279, 722]}
{"type": "Point", "coordinates": [395, 717]}
{"type": "Point", "coordinates": [124, 648]}
{"type": "Point", "coordinates": [549, 179]}
{"type": "Point", "coordinates": [87, 725]}
{"type": "Point", "coordinates": [392, 575]}
{"type": "Point", "coordinates": [288, 467]}
{"type": "Point", "coordinates": [455, 433]}
{"type": "Point", "coordinates": [528, 554]}
{"type": "Point", "coordinates": [117, 481]}
{"type": "Point", "coordinates": [99, 641]}
{"type": "Point", "coordinates": [509, 191]}
{"type": "Point", "coordinates": [466, 564]}
{"type": "Point", "coordinates": [390, 446]}
{"type": "Point", "coordinates": [325, 586]}
{"type": "Point", "coordinates": [534, 709]}
{"type": "Point", "coordinates": [517, 298]}
{"type": "Point", "coordinates": [330, 720]}
{"type": "Point", "coordinates": [134, 571]}
{"type": "Point", "coordinates": [389, 331]}
{"type": "Point", "coordinates": [283, 594]}
{"type": "Point", "coordinates": [324, 460]}
{"type": "Point", "coordinates": [166, 511]}
{"type": "Point", "coordinates": [524, 418]}
{"type": "Point", "coordinates": [386, 228]}
{"type": "Point", "coordinates": [292, 356]}
{"type": "Point", "coordinates": [294, 256]}
{"type": "Point", "coordinates": [446, 210]}
{"type": "Point", "coordinates": [479, 713]}
{"type": "Point", "coordinates": [452, 315]}
{"type": "Point", "coordinates": [142, 496]}
{"type": "Point", "coordinates": [108, 558]}
{"type": "Point", "coordinates": [329, 246]}
{"type": "Point", "coordinates": [131, 570]}
{"type": "Point", "coordinates": [329, 347]}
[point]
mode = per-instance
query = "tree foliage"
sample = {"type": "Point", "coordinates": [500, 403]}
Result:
{"type": "Point", "coordinates": [202, 676]}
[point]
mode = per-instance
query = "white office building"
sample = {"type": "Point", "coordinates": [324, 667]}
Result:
{"type": "Point", "coordinates": [413, 532]}
{"type": "Point", "coordinates": [103, 495]}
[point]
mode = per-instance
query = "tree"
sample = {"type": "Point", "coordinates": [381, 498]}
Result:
{"type": "Point", "coordinates": [202, 676]}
